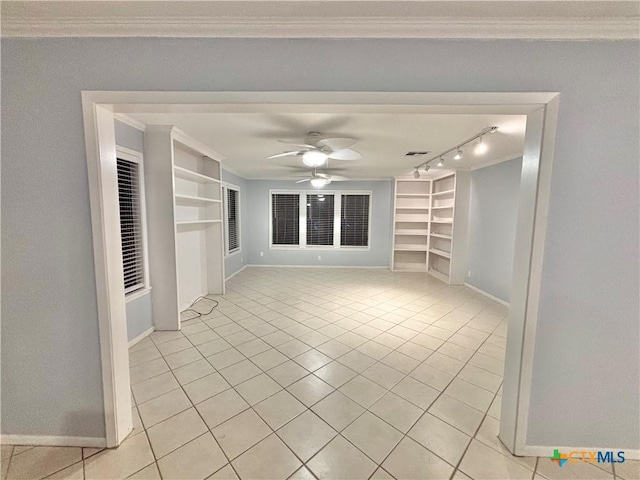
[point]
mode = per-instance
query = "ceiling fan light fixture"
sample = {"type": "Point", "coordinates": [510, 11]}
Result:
{"type": "Point", "coordinates": [319, 182]}
{"type": "Point", "coordinates": [314, 158]}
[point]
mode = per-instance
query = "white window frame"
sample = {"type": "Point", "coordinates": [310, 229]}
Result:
{"type": "Point", "coordinates": [229, 186]}
{"type": "Point", "coordinates": [134, 156]}
{"type": "Point", "coordinates": [337, 219]}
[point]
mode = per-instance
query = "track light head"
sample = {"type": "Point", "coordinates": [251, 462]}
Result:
{"type": "Point", "coordinates": [441, 162]}
{"type": "Point", "coordinates": [481, 147]}
{"type": "Point", "coordinates": [426, 167]}
{"type": "Point", "coordinates": [416, 173]}
{"type": "Point", "coordinates": [458, 155]}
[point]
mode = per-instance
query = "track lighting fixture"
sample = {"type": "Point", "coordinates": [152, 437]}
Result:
{"type": "Point", "coordinates": [480, 149]}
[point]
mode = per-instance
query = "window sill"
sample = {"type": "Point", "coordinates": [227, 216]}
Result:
{"type": "Point", "coordinates": [137, 294]}
{"type": "Point", "coordinates": [231, 254]}
{"type": "Point", "coordinates": [319, 248]}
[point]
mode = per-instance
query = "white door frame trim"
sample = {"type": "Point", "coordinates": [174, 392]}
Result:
{"type": "Point", "coordinates": [541, 109]}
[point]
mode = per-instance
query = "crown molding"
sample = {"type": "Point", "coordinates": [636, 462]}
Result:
{"type": "Point", "coordinates": [607, 28]}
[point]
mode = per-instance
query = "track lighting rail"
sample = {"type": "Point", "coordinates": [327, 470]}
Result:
{"type": "Point", "coordinates": [456, 148]}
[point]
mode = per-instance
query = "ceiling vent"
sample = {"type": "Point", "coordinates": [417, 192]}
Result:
{"type": "Point", "coordinates": [416, 153]}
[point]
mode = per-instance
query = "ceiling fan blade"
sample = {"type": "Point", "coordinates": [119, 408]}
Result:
{"type": "Point", "coordinates": [337, 143]}
{"type": "Point", "coordinates": [322, 175]}
{"type": "Point", "coordinates": [304, 180]}
{"type": "Point", "coordinates": [285, 154]}
{"type": "Point", "coordinates": [345, 154]}
{"type": "Point", "coordinates": [296, 144]}
{"type": "Point", "coordinates": [338, 178]}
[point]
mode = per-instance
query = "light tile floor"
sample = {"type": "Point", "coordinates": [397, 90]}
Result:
{"type": "Point", "coordinates": [311, 373]}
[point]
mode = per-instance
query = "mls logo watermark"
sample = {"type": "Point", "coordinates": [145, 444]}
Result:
{"type": "Point", "coordinates": [593, 456]}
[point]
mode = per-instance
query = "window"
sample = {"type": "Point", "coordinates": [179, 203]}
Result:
{"type": "Point", "coordinates": [319, 219]}
{"type": "Point", "coordinates": [232, 219]}
{"type": "Point", "coordinates": [314, 219]}
{"type": "Point", "coordinates": [285, 219]}
{"type": "Point", "coordinates": [354, 221]}
{"type": "Point", "coordinates": [131, 222]}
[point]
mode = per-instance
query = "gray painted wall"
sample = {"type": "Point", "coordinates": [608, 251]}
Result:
{"type": "Point", "coordinates": [380, 241]}
{"type": "Point", "coordinates": [586, 373]}
{"type": "Point", "coordinates": [493, 215]}
{"type": "Point", "coordinates": [139, 315]}
{"type": "Point", "coordinates": [127, 136]}
{"type": "Point", "coordinates": [234, 262]}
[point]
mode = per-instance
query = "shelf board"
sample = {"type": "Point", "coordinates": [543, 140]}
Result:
{"type": "Point", "coordinates": [412, 208]}
{"type": "Point", "coordinates": [446, 192]}
{"type": "Point", "coordinates": [409, 267]}
{"type": "Point", "coordinates": [412, 232]}
{"type": "Point", "coordinates": [413, 195]}
{"type": "Point", "coordinates": [439, 275]}
{"type": "Point", "coordinates": [440, 253]}
{"type": "Point", "coordinates": [441, 208]}
{"type": "Point", "coordinates": [410, 247]}
{"type": "Point", "coordinates": [197, 222]}
{"type": "Point", "coordinates": [187, 174]}
{"type": "Point", "coordinates": [441, 235]}
{"type": "Point", "coordinates": [443, 220]}
{"type": "Point", "coordinates": [192, 199]}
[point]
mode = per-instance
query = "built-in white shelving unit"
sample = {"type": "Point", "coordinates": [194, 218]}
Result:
{"type": "Point", "coordinates": [411, 224]}
{"type": "Point", "coordinates": [186, 241]}
{"type": "Point", "coordinates": [425, 225]}
{"type": "Point", "coordinates": [441, 228]}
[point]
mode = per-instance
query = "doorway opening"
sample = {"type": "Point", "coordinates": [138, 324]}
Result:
{"type": "Point", "coordinates": [540, 110]}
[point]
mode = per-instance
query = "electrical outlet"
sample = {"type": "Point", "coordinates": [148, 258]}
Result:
{"type": "Point", "coordinates": [469, 274]}
{"type": "Point", "coordinates": [241, 259]}
{"type": "Point", "coordinates": [262, 254]}
{"type": "Point", "coordinates": [319, 257]}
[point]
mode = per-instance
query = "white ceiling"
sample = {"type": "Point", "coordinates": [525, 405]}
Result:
{"type": "Point", "coordinates": [245, 139]}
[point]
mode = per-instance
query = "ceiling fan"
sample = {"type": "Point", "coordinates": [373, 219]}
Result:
{"type": "Point", "coordinates": [316, 149]}
{"type": "Point", "coordinates": [319, 180]}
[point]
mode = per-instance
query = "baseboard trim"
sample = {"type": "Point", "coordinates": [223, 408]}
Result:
{"type": "Point", "coordinates": [47, 441]}
{"type": "Point", "coordinates": [379, 267]}
{"type": "Point", "coordinates": [541, 451]}
{"type": "Point", "coordinates": [235, 273]}
{"type": "Point", "coordinates": [488, 295]}
{"type": "Point", "coordinates": [141, 337]}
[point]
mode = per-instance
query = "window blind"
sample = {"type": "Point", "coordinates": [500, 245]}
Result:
{"type": "Point", "coordinates": [354, 228]}
{"type": "Point", "coordinates": [130, 225]}
{"type": "Point", "coordinates": [233, 238]}
{"type": "Point", "coordinates": [285, 221]}
{"type": "Point", "coordinates": [319, 219]}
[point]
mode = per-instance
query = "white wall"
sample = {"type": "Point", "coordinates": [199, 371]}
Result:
{"type": "Point", "coordinates": [379, 241]}
{"type": "Point", "coordinates": [493, 215]}
{"type": "Point", "coordinates": [586, 376]}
